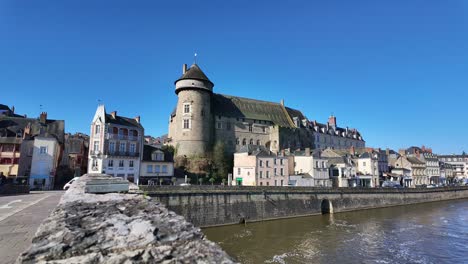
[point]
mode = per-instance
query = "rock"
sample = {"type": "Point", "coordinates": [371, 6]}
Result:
{"type": "Point", "coordinates": [117, 228]}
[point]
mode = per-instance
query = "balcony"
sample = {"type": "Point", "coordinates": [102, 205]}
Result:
{"type": "Point", "coordinates": [10, 154]}
{"type": "Point", "coordinates": [122, 137]}
{"type": "Point", "coordinates": [122, 154]}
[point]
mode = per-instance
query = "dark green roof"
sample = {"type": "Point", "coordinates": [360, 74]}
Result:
{"type": "Point", "coordinates": [195, 73]}
{"type": "Point", "coordinates": [238, 107]}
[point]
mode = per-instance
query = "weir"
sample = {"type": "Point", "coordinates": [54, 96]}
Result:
{"type": "Point", "coordinates": [207, 206]}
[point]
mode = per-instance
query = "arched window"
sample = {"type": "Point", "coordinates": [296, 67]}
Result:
{"type": "Point", "coordinates": [244, 142]}
{"type": "Point", "coordinates": [258, 142]}
{"type": "Point", "coordinates": [251, 141]}
{"type": "Point", "coordinates": [237, 141]}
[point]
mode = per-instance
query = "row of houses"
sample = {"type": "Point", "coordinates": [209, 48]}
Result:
{"type": "Point", "coordinates": [354, 167]}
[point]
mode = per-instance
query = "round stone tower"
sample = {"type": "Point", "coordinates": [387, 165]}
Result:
{"type": "Point", "coordinates": [193, 127]}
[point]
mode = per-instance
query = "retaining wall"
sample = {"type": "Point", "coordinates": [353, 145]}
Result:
{"type": "Point", "coordinates": [217, 205]}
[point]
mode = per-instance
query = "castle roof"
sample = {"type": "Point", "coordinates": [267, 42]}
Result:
{"type": "Point", "coordinates": [239, 107]}
{"type": "Point", "coordinates": [194, 73]}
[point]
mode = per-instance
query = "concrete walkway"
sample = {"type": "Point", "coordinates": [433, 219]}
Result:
{"type": "Point", "coordinates": [20, 216]}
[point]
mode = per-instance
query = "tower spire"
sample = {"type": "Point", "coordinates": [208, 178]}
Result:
{"type": "Point", "coordinates": [195, 58]}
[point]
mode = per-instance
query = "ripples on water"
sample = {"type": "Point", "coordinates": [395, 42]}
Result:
{"type": "Point", "coordinates": [426, 233]}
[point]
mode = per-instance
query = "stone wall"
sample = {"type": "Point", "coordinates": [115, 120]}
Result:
{"type": "Point", "coordinates": [117, 228]}
{"type": "Point", "coordinates": [216, 205]}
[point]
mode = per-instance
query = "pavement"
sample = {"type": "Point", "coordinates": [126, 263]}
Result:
{"type": "Point", "coordinates": [20, 216]}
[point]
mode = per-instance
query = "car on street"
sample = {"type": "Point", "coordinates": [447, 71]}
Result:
{"type": "Point", "coordinates": [68, 184]}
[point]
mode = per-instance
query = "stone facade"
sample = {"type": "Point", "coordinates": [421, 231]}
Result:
{"type": "Point", "coordinates": [202, 118]}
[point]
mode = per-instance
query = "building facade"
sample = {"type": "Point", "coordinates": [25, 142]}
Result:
{"type": "Point", "coordinates": [203, 117]}
{"type": "Point", "coordinates": [75, 154]}
{"type": "Point", "coordinates": [459, 165]}
{"type": "Point", "coordinates": [314, 165]}
{"type": "Point", "coordinates": [115, 145]}
{"type": "Point", "coordinates": [157, 166]}
{"type": "Point", "coordinates": [257, 166]}
{"type": "Point", "coordinates": [416, 167]}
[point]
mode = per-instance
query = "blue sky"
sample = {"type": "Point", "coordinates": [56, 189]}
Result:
{"type": "Point", "coordinates": [396, 70]}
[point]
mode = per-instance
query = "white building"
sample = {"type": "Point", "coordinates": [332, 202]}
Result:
{"type": "Point", "coordinates": [116, 145]}
{"type": "Point", "coordinates": [368, 169]}
{"type": "Point", "coordinates": [45, 158]}
{"type": "Point", "coordinates": [313, 164]}
{"type": "Point", "coordinates": [459, 165]}
{"type": "Point", "coordinates": [257, 166]}
{"type": "Point", "coordinates": [157, 166]}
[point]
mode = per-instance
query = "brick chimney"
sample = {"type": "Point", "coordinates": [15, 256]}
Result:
{"type": "Point", "coordinates": [114, 114]}
{"type": "Point", "coordinates": [307, 151]}
{"type": "Point", "coordinates": [184, 68]}
{"type": "Point", "coordinates": [137, 119]}
{"type": "Point", "coordinates": [332, 121]}
{"type": "Point", "coordinates": [27, 131]}
{"type": "Point", "coordinates": [43, 117]}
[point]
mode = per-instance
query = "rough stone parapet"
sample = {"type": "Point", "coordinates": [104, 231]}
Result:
{"type": "Point", "coordinates": [118, 228]}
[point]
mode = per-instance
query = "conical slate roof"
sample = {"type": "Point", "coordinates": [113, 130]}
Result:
{"type": "Point", "coordinates": [194, 73]}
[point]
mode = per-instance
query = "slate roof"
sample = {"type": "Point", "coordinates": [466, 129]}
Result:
{"type": "Point", "coordinates": [194, 72]}
{"type": "Point", "coordinates": [123, 121]}
{"type": "Point", "coordinates": [239, 107]}
{"type": "Point", "coordinates": [10, 126]}
{"type": "Point", "coordinates": [148, 150]}
{"type": "Point", "coordinates": [254, 150]}
{"type": "Point", "coordinates": [4, 107]}
{"type": "Point", "coordinates": [339, 160]}
{"type": "Point", "coordinates": [414, 160]}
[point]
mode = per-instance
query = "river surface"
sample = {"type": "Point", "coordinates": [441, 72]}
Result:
{"type": "Point", "coordinates": [425, 233]}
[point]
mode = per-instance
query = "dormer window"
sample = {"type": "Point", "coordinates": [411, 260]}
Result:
{"type": "Point", "coordinates": [157, 156]}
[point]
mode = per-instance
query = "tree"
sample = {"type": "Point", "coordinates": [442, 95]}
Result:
{"type": "Point", "coordinates": [219, 161]}
{"type": "Point", "coordinates": [200, 180]}
{"type": "Point", "coordinates": [160, 181]}
{"type": "Point", "coordinates": [173, 179]}
{"type": "Point", "coordinates": [212, 180]}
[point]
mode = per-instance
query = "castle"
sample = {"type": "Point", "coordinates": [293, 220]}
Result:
{"type": "Point", "coordinates": [202, 117]}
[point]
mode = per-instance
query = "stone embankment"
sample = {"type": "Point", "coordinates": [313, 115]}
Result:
{"type": "Point", "coordinates": [11, 189]}
{"type": "Point", "coordinates": [207, 206]}
{"type": "Point", "coordinates": [118, 228]}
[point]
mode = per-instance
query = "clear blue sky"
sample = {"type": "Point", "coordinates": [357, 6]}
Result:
{"type": "Point", "coordinates": [396, 70]}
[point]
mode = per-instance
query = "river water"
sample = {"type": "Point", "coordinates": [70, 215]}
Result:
{"type": "Point", "coordinates": [425, 233]}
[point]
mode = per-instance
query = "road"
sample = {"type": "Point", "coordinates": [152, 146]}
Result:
{"type": "Point", "coordinates": [20, 216]}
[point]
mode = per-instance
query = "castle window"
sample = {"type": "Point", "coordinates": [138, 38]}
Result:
{"type": "Point", "coordinates": [186, 123]}
{"type": "Point", "coordinates": [237, 141]}
{"type": "Point", "coordinates": [264, 129]}
{"type": "Point", "coordinates": [250, 127]}
{"type": "Point", "coordinates": [251, 141]}
{"type": "Point", "coordinates": [244, 142]}
{"type": "Point", "coordinates": [186, 108]}
{"type": "Point", "coordinates": [258, 142]}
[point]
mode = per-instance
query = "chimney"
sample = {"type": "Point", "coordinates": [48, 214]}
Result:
{"type": "Point", "coordinates": [352, 150]}
{"type": "Point", "coordinates": [402, 152]}
{"type": "Point", "coordinates": [114, 114]}
{"type": "Point", "coordinates": [137, 119]}
{"type": "Point", "coordinates": [43, 117]}
{"type": "Point", "coordinates": [423, 148]}
{"type": "Point", "coordinates": [332, 121]}
{"type": "Point", "coordinates": [184, 68]}
{"type": "Point", "coordinates": [12, 109]}
{"type": "Point", "coordinates": [27, 130]}
{"type": "Point", "coordinates": [387, 151]}
{"type": "Point", "coordinates": [282, 102]}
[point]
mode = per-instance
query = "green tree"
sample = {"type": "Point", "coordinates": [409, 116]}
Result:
{"type": "Point", "coordinates": [200, 180]}
{"type": "Point", "coordinates": [220, 163]}
{"type": "Point", "coordinates": [212, 180]}
{"type": "Point", "coordinates": [173, 179]}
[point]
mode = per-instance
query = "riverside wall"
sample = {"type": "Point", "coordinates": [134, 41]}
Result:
{"type": "Point", "coordinates": [207, 206]}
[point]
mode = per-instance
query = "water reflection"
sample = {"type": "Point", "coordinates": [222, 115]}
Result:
{"type": "Point", "coordinates": [426, 233]}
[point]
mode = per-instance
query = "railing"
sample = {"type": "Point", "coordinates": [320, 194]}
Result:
{"type": "Point", "coordinates": [122, 137]}
{"type": "Point", "coordinates": [122, 154]}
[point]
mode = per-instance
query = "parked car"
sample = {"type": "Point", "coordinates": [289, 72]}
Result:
{"type": "Point", "coordinates": [68, 184]}
{"type": "Point", "coordinates": [185, 184]}
{"type": "Point", "coordinates": [391, 184]}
